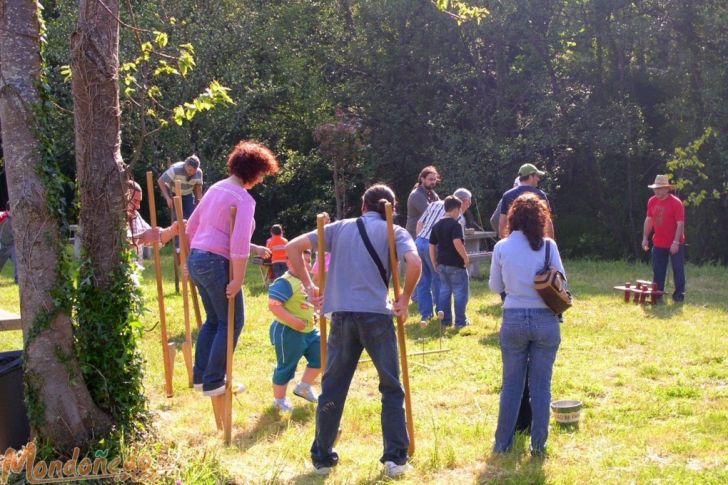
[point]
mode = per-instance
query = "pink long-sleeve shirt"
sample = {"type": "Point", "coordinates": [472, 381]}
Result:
{"type": "Point", "coordinates": [209, 226]}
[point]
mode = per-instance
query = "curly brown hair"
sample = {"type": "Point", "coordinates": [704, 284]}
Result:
{"type": "Point", "coordinates": [250, 159]}
{"type": "Point", "coordinates": [529, 214]}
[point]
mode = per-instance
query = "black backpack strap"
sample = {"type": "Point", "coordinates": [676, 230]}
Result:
{"type": "Point", "coordinates": [547, 262]}
{"type": "Point", "coordinates": [372, 252]}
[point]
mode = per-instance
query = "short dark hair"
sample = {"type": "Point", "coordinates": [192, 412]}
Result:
{"type": "Point", "coordinates": [276, 229]}
{"type": "Point", "coordinates": [451, 202]}
{"type": "Point", "coordinates": [193, 161]}
{"type": "Point", "coordinates": [249, 159]}
{"type": "Point", "coordinates": [376, 197]}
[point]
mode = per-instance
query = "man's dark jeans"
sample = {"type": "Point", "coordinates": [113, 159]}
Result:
{"type": "Point", "coordinates": [659, 270]}
{"type": "Point", "coordinates": [350, 333]}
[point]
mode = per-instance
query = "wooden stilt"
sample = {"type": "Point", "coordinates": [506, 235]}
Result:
{"type": "Point", "coordinates": [228, 396]}
{"type": "Point", "coordinates": [321, 259]}
{"type": "Point", "coordinates": [168, 369]}
{"type": "Point", "coordinates": [400, 329]}
{"type": "Point", "coordinates": [187, 346]}
{"type": "Point", "coordinates": [196, 304]}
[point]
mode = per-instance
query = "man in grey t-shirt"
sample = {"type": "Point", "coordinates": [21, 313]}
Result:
{"type": "Point", "coordinates": [357, 296]}
{"type": "Point", "coordinates": [422, 194]}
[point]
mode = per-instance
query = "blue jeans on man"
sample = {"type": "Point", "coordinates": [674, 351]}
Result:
{"type": "Point", "coordinates": [529, 339]}
{"type": "Point", "coordinates": [188, 206]}
{"type": "Point", "coordinates": [209, 272]}
{"type": "Point", "coordinates": [454, 285]}
{"type": "Point", "coordinates": [659, 270]}
{"type": "Point", "coordinates": [349, 334]}
{"type": "Point", "coordinates": [428, 288]}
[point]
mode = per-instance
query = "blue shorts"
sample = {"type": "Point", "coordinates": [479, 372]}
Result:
{"type": "Point", "coordinates": [290, 346]}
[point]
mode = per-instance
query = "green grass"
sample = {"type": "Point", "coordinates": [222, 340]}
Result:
{"type": "Point", "coordinates": [654, 382]}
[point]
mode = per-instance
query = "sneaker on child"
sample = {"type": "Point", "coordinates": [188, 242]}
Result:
{"type": "Point", "coordinates": [392, 470]}
{"type": "Point", "coordinates": [283, 405]}
{"type": "Point", "coordinates": [306, 391]}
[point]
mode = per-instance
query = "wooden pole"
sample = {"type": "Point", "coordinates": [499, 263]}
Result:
{"type": "Point", "coordinates": [321, 259]}
{"type": "Point", "coordinates": [228, 421]}
{"type": "Point", "coordinates": [196, 304]}
{"type": "Point", "coordinates": [187, 346]}
{"type": "Point", "coordinates": [400, 329]}
{"type": "Point", "coordinates": [168, 365]}
{"type": "Point", "coordinates": [190, 285]}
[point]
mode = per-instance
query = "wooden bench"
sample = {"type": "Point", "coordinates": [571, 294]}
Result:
{"type": "Point", "coordinates": [9, 321]}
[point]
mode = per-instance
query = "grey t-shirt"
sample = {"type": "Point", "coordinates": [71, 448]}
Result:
{"type": "Point", "coordinates": [417, 203]}
{"type": "Point", "coordinates": [353, 283]}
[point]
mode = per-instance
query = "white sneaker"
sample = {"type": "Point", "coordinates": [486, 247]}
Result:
{"type": "Point", "coordinates": [214, 392]}
{"type": "Point", "coordinates": [283, 405]}
{"type": "Point", "coordinates": [392, 470]}
{"type": "Point", "coordinates": [306, 391]}
{"type": "Point", "coordinates": [322, 471]}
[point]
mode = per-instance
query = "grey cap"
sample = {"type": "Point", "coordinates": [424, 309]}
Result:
{"type": "Point", "coordinates": [463, 194]}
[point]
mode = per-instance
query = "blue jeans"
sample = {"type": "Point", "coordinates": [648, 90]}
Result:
{"type": "Point", "coordinates": [188, 206]}
{"type": "Point", "coordinates": [279, 269]}
{"type": "Point", "coordinates": [428, 288]}
{"type": "Point", "coordinates": [529, 339]}
{"type": "Point", "coordinates": [350, 333]}
{"type": "Point", "coordinates": [209, 272]}
{"type": "Point", "coordinates": [454, 283]}
{"type": "Point", "coordinates": [659, 270]}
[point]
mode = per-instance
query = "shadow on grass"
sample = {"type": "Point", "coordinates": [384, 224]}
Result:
{"type": "Point", "coordinates": [490, 340]}
{"type": "Point", "coordinates": [663, 311]}
{"type": "Point", "coordinates": [516, 466]}
{"type": "Point", "coordinates": [271, 423]}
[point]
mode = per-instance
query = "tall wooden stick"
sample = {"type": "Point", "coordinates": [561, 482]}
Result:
{"type": "Point", "coordinates": [168, 364]}
{"type": "Point", "coordinates": [228, 421]}
{"type": "Point", "coordinates": [190, 285]}
{"type": "Point", "coordinates": [187, 346]}
{"type": "Point", "coordinates": [400, 329]}
{"type": "Point", "coordinates": [321, 260]}
{"type": "Point", "coordinates": [196, 305]}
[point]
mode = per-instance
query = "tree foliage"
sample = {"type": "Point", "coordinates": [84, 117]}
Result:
{"type": "Point", "coordinates": [601, 93]}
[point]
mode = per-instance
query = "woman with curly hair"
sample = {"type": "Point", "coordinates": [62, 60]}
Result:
{"type": "Point", "coordinates": [212, 253]}
{"type": "Point", "coordinates": [530, 334]}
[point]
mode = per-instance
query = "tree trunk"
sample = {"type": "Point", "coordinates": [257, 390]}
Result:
{"type": "Point", "coordinates": [60, 406]}
{"type": "Point", "coordinates": [101, 171]}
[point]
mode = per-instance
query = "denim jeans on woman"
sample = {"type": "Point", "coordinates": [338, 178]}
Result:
{"type": "Point", "coordinates": [350, 333]}
{"type": "Point", "coordinates": [529, 339]}
{"type": "Point", "coordinates": [209, 272]}
{"type": "Point", "coordinates": [454, 282]}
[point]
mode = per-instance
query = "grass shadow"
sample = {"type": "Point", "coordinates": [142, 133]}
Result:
{"type": "Point", "coordinates": [180, 337]}
{"type": "Point", "coordinates": [271, 423]}
{"type": "Point", "coordinates": [490, 340]}
{"type": "Point", "coordinates": [663, 311]}
{"type": "Point", "coordinates": [516, 466]}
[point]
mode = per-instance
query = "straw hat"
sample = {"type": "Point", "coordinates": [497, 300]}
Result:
{"type": "Point", "coordinates": [661, 182]}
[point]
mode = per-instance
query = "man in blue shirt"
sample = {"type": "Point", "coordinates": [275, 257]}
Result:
{"type": "Point", "coordinates": [357, 296]}
{"type": "Point", "coordinates": [528, 176]}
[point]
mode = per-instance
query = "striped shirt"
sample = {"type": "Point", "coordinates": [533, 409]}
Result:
{"type": "Point", "coordinates": [434, 212]}
{"type": "Point", "coordinates": [177, 172]}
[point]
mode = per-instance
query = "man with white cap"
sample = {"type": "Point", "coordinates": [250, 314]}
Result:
{"type": "Point", "coordinates": [666, 217]}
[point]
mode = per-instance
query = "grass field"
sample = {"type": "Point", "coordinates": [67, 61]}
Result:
{"type": "Point", "coordinates": [654, 382]}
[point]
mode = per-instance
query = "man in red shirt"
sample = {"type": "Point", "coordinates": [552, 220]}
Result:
{"type": "Point", "coordinates": [666, 216]}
